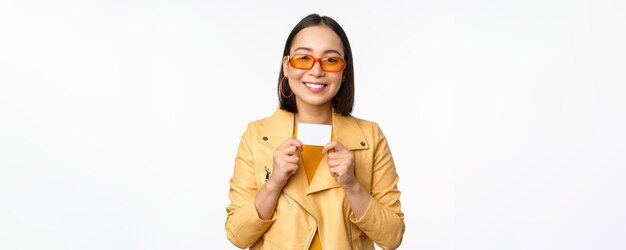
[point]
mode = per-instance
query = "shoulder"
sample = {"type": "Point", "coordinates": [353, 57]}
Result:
{"type": "Point", "coordinates": [368, 126]}
{"type": "Point", "coordinates": [279, 117]}
{"type": "Point", "coordinates": [256, 126]}
{"type": "Point", "coordinates": [362, 122]}
{"type": "Point", "coordinates": [259, 123]}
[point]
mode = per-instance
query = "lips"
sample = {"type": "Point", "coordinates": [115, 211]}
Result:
{"type": "Point", "coordinates": [315, 87]}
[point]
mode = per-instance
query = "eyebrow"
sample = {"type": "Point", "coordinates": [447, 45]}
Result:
{"type": "Point", "coordinates": [325, 52]}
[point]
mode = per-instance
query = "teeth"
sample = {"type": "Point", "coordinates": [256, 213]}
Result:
{"type": "Point", "coordinates": [315, 86]}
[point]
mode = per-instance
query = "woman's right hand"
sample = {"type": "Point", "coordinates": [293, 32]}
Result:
{"type": "Point", "coordinates": [286, 159]}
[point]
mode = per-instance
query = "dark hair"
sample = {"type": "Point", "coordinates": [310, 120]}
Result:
{"type": "Point", "coordinates": [344, 99]}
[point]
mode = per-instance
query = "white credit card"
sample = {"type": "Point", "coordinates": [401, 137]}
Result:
{"type": "Point", "coordinates": [314, 134]}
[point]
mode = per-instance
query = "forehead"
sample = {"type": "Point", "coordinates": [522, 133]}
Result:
{"type": "Point", "coordinates": [318, 38]}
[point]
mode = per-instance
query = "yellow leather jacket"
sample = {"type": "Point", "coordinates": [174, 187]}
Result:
{"type": "Point", "coordinates": [302, 207]}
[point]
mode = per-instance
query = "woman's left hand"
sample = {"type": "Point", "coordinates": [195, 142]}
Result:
{"type": "Point", "coordinates": [341, 164]}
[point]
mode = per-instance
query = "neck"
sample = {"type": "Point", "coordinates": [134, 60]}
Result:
{"type": "Point", "coordinates": [315, 114]}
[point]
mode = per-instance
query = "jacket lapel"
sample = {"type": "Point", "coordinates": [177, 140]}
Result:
{"type": "Point", "coordinates": [347, 132]}
{"type": "Point", "coordinates": [322, 179]}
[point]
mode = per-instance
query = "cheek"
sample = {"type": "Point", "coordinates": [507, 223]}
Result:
{"type": "Point", "coordinates": [294, 78]}
{"type": "Point", "coordinates": [293, 84]}
{"type": "Point", "coordinates": [338, 78]}
{"type": "Point", "coordinates": [295, 74]}
{"type": "Point", "coordinates": [337, 81]}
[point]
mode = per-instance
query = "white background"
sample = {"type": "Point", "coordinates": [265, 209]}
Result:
{"type": "Point", "coordinates": [119, 120]}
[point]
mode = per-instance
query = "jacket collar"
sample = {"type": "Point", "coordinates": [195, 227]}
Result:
{"type": "Point", "coordinates": [345, 130]}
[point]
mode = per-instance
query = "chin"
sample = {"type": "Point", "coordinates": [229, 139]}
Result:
{"type": "Point", "coordinates": [315, 101]}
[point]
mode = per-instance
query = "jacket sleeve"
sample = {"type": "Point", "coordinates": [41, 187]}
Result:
{"type": "Point", "coordinates": [243, 225]}
{"type": "Point", "coordinates": [383, 221]}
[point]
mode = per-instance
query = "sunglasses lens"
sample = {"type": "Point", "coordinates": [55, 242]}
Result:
{"type": "Point", "coordinates": [333, 64]}
{"type": "Point", "coordinates": [302, 61]}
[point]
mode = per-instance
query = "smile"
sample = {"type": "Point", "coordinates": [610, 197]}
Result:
{"type": "Point", "coordinates": [315, 87]}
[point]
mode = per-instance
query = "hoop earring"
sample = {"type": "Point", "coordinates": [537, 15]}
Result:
{"type": "Point", "coordinates": [280, 88]}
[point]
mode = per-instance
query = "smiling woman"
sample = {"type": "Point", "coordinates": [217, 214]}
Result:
{"type": "Point", "coordinates": [287, 194]}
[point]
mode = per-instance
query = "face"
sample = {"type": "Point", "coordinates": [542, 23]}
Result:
{"type": "Point", "coordinates": [314, 87]}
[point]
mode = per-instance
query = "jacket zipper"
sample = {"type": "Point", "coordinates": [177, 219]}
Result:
{"type": "Point", "coordinates": [350, 234]}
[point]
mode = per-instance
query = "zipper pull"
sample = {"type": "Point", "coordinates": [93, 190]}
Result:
{"type": "Point", "coordinates": [267, 173]}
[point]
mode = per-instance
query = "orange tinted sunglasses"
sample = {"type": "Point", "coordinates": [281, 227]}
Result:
{"type": "Point", "coordinates": [328, 64]}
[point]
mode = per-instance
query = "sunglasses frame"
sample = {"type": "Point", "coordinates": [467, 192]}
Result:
{"type": "Point", "coordinates": [318, 60]}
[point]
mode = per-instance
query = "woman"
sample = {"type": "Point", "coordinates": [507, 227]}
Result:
{"type": "Point", "coordinates": [286, 195]}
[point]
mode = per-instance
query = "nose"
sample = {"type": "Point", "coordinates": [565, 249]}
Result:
{"type": "Point", "coordinates": [316, 70]}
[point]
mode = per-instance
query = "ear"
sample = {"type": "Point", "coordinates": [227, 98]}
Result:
{"type": "Point", "coordinates": [343, 78]}
{"type": "Point", "coordinates": [285, 65]}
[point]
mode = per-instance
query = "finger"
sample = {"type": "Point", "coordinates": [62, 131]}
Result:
{"type": "Point", "coordinates": [329, 147]}
{"type": "Point", "coordinates": [297, 143]}
{"type": "Point", "coordinates": [292, 159]}
{"type": "Point", "coordinates": [292, 150]}
{"type": "Point", "coordinates": [286, 159]}
{"type": "Point", "coordinates": [339, 147]}
{"type": "Point", "coordinates": [334, 156]}
{"type": "Point", "coordinates": [286, 143]}
{"type": "Point", "coordinates": [337, 155]}
{"type": "Point", "coordinates": [292, 169]}
{"type": "Point", "coordinates": [332, 163]}
{"type": "Point", "coordinates": [333, 172]}
{"type": "Point", "coordinates": [291, 142]}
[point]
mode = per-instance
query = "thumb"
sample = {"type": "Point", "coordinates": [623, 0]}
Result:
{"type": "Point", "coordinates": [332, 146]}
